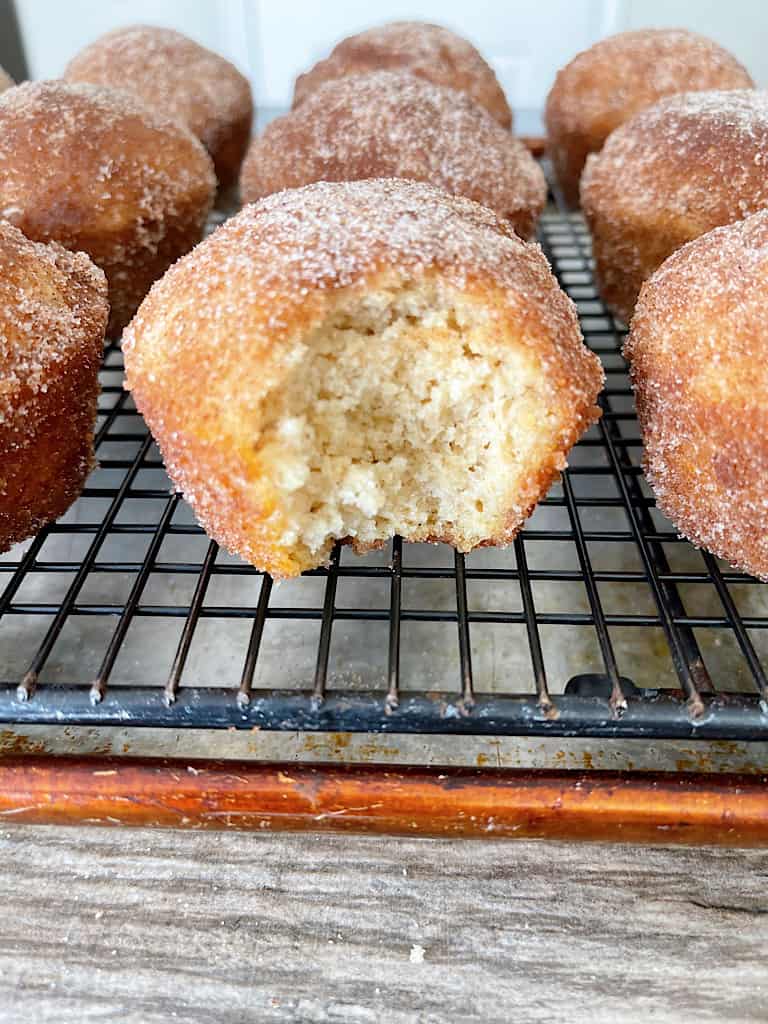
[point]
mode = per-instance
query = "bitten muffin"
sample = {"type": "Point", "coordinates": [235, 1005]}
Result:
{"type": "Point", "coordinates": [348, 361]}
{"type": "Point", "coordinates": [92, 169]}
{"type": "Point", "coordinates": [673, 172]}
{"type": "Point", "coordinates": [699, 354]}
{"type": "Point", "coordinates": [427, 51]}
{"type": "Point", "coordinates": [179, 79]}
{"type": "Point", "coordinates": [53, 311]}
{"type": "Point", "coordinates": [607, 84]}
{"type": "Point", "coordinates": [390, 124]}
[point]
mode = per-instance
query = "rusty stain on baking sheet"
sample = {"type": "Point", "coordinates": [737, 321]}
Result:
{"type": "Point", "coordinates": [362, 748]}
{"type": "Point", "coordinates": [325, 742]}
{"type": "Point", "coordinates": [336, 745]}
{"type": "Point", "coordinates": [18, 743]}
{"type": "Point", "coordinates": [707, 759]}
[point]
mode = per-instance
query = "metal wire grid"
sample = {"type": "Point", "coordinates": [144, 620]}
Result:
{"type": "Point", "coordinates": [596, 703]}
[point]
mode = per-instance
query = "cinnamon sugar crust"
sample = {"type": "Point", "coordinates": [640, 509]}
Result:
{"type": "Point", "coordinates": [174, 76]}
{"type": "Point", "coordinates": [390, 124]}
{"type": "Point", "coordinates": [53, 311]}
{"type": "Point", "coordinates": [427, 51]}
{"type": "Point", "coordinates": [351, 360]}
{"type": "Point", "coordinates": [699, 354]}
{"type": "Point", "coordinates": [90, 168]}
{"type": "Point", "coordinates": [609, 83]}
{"type": "Point", "coordinates": [673, 172]}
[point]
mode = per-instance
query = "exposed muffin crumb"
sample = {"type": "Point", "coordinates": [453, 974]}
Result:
{"type": "Point", "coordinates": [354, 360]}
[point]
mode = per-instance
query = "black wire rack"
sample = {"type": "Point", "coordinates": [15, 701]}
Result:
{"type": "Point", "coordinates": [598, 622]}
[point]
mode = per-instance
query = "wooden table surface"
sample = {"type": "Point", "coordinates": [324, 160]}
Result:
{"type": "Point", "coordinates": [110, 925]}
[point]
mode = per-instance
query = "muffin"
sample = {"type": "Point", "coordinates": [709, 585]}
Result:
{"type": "Point", "coordinates": [673, 172]}
{"type": "Point", "coordinates": [427, 51]}
{"type": "Point", "coordinates": [390, 124]}
{"type": "Point", "coordinates": [92, 169]}
{"type": "Point", "coordinates": [349, 361]}
{"type": "Point", "coordinates": [699, 355]}
{"type": "Point", "coordinates": [53, 311]}
{"type": "Point", "coordinates": [175, 77]}
{"type": "Point", "coordinates": [619, 76]}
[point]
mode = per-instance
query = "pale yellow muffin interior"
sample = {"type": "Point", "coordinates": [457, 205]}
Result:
{"type": "Point", "coordinates": [406, 411]}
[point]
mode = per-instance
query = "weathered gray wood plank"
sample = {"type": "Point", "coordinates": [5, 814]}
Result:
{"type": "Point", "coordinates": [139, 927]}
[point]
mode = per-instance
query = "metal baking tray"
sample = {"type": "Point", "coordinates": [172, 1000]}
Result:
{"type": "Point", "coordinates": [598, 623]}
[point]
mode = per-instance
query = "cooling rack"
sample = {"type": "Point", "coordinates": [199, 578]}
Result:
{"type": "Point", "coordinates": [612, 563]}
{"type": "Point", "coordinates": [598, 622]}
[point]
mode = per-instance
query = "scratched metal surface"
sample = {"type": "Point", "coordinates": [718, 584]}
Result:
{"type": "Point", "coordinates": [364, 748]}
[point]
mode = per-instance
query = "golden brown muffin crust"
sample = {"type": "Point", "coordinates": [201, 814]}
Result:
{"type": "Point", "coordinates": [53, 311]}
{"type": "Point", "coordinates": [219, 333]}
{"type": "Point", "coordinates": [604, 86]}
{"type": "Point", "coordinates": [179, 79]}
{"type": "Point", "coordinates": [427, 51]}
{"type": "Point", "coordinates": [699, 354]}
{"type": "Point", "coordinates": [674, 171]}
{"type": "Point", "coordinates": [390, 124]}
{"type": "Point", "coordinates": [91, 169]}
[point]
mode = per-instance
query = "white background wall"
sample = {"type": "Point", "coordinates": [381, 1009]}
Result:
{"type": "Point", "coordinates": [273, 40]}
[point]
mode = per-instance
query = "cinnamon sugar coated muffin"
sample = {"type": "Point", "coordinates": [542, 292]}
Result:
{"type": "Point", "coordinates": [5, 80]}
{"type": "Point", "coordinates": [673, 172]}
{"type": "Point", "coordinates": [90, 168]}
{"type": "Point", "coordinates": [390, 124]}
{"type": "Point", "coordinates": [179, 79]}
{"type": "Point", "coordinates": [427, 51]}
{"type": "Point", "coordinates": [355, 360]}
{"type": "Point", "coordinates": [699, 354]}
{"type": "Point", "coordinates": [53, 311]}
{"type": "Point", "coordinates": [607, 84]}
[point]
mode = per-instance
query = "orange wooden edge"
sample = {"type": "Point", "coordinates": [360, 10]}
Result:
{"type": "Point", "coordinates": [614, 806]}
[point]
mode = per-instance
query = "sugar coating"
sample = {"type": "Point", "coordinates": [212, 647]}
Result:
{"type": "Point", "coordinates": [50, 299]}
{"type": "Point", "coordinates": [699, 152]}
{"type": "Point", "coordinates": [607, 84]}
{"type": "Point", "coordinates": [65, 121]}
{"type": "Point", "coordinates": [53, 311]}
{"type": "Point", "coordinates": [337, 360]}
{"type": "Point", "coordinates": [699, 354]}
{"type": "Point", "coordinates": [674, 171]}
{"type": "Point", "coordinates": [172, 75]}
{"type": "Point", "coordinates": [428, 51]}
{"type": "Point", "coordinates": [71, 104]}
{"type": "Point", "coordinates": [637, 69]}
{"type": "Point", "coordinates": [392, 124]}
{"type": "Point", "coordinates": [91, 168]}
{"type": "Point", "coordinates": [333, 235]}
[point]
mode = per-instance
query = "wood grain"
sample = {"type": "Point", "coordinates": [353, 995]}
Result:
{"type": "Point", "coordinates": [462, 802]}
{"type": "Point", "coordinates": [139, 927]}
